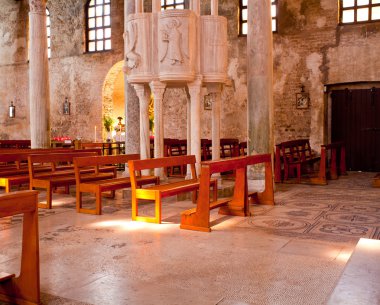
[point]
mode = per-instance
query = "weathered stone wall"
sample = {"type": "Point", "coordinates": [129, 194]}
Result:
{"type": "Point", "coordinates": [73, 72]}
{"type": "Point", "coordinates": [310, 48]}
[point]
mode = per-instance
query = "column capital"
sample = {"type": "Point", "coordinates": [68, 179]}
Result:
{"type": "Point", "coordinates": [37, 6]}
{"type": "Point", "coordinates": [158, 88]}
{"type": "Point", "coordinates": [140, 89]}
{"type": "Point", "coordinates": [195, 86]}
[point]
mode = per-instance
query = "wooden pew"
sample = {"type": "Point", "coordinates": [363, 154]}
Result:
{"type": "Point", "coordinates": [20, 174]}
{"type": "Point", "coordinates": [328, 167]}
{"type": "Point", "coordinates": [66, 178]}
{"type": "Point", "coordinates": [229, 148]}
{"type": "Point", "coordinates": [292, 156]}
{"type": "Point", "coordinates": [376, 181]}
{"type": "Point", "coordinates": [267, 196]}
{"type": "Point", "coordinates": [198, 218]}
{"type": "Point", "coordinates": [104, 185]}
{"type": "Point", "coordinates": [24, 289]}
{"type": "Point", "coordinates": [157, 192]}
{"type": "Point", "coordinates": [15, 144]}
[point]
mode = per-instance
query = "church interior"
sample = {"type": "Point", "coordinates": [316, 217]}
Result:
{"type": "Point", "coordinates": [200, 152]}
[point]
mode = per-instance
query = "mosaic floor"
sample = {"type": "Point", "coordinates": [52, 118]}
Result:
{"type": "Point", "coordinates": [344, 210]}
{"type": "Point", "coordinates": [292, 253]}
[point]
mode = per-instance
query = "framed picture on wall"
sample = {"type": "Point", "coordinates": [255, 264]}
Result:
{"type": "Point", "coordinates": [302, 100]}
{"type": "Point", "coordinates": [207, 102]}
{"type": "Point", "coordinates": [66, 107]}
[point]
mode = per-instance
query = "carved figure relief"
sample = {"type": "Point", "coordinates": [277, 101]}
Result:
{"type": "Point", "coordinates": [37, 6]}
{"type": "Point", "coordinates": [173, 38]}
{"type": "Point", "coordinates": [132, 58]}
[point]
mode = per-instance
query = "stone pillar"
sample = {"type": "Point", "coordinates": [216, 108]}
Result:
{"type": "Point", "coordinates": [216, 91]}
{"type": "Point", "coordinates": [156, 6]}
{"type": "Point", "coordinates": [260, 77]}
{"type": "Point", "coordinates": [188, 135]}
{"type": "Point", "coordinates": [214, 7]}
{"type": "Point", "coordinates": [132, 123]}
{"type": "Point", "coordinates": [39, 99]}
{"type": "Point", "coordinates": [195, 6]}
{"type": "Point", "coordinates": [158, 90]}
{"type": "Point", "coordinates": [139, 7]}
{"type": "Point", "coordinates": [144, 98]}
{"type": "Point", "coordinates": [195, 95]}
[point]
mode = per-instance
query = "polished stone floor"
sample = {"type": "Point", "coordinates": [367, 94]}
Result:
{"type": "Point", "coordinates": [291, 253]}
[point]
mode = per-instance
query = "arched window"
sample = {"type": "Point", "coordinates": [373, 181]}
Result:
{"type": "Point", "coordinates": [48, 32]}
{"type": "Point", "coordinates": [358, 11]}
{"type": "Point", "coordinates": [98, 24]}
{"type": "Point", "coordinates": [243, 16]}
{"type": "Point", "coordinates": [172, 4]}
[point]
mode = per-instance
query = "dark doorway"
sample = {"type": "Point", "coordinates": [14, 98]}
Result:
{"type": "Point", "coordinates": [355, 119]}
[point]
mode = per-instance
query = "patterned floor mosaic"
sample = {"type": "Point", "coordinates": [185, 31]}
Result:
{"type": "Point", "coordinates": [344, 210]}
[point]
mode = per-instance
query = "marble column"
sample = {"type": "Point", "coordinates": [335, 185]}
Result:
{"type": "Point", "coordinates": [158, 90]}
{"type": "Point", "coordinates": [216, 91]}
{"type": "Point", "coordinates": [144, 97]}
{"type": "Point", "coordinates": [39, 99]}
{"type": "Point", "coordinates": [132, 122]}
{"type": "Point", "coordinates": [195, 95]}
{"type": "Point", "coordinates": [214, 7]}
{"type": "Point", "coordinates": [260, 77]}
{"type": "Point", "coordinates": [188, 135]}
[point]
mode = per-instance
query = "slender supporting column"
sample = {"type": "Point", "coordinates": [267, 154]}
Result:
{"type": "Point", "coordinates": [188, 134]}
{"type": "Point", "coordinates": [215, 90]}
{"type": "Point", "coordinates": [144, 97]}
{"type": "Point", "coordinates": [195, 6]}
{"type": "Point", "coordinates": [156, 6]}
{"type": "Point", "coordinates": [260, 77]}
{"type": "Point", "coordinates": [132, 123]}
{"type": "Point", "coordinates": [138, 6]}
{"type": "Point", "coordinates": [158, 90]}
{"type": "Point", "coordinates": [195, 95]}
{"type": "Point", "coordinates": [214, 7]}
{"type": "Point", "coordinates": [39, 99]}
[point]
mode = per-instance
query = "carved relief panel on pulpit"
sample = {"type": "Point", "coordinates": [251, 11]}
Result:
{"type": "Point", "coordinates": [214, 49]}
{"type": "Point", "coordinates": [177, 45]}
{"type": "Point", "coordinates": [138, 46]}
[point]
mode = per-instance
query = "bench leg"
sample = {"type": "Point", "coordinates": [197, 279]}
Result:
{"type": "Point", "coordinates": [98, 207]}
{"type": "Point", "coordinates": [49, 197]}
{"type": "Point", "coordinates": [134, 208]}
{"type": "Point", "coordinates": [79, 200]}
{"type": "Point", "coordinates": [158, 208]}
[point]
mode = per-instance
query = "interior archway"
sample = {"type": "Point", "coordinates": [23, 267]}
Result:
{"type": "Point", "coordinates": [113, 95]}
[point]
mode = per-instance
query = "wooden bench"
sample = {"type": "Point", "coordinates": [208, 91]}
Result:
{"type": "Point", "coordinates": [198, 218]}
{"type": "Point", "coordinates": [104, 185]}
{"type": "Point", "coordinates": [175, 147]}
{"type": "Point", "coordinates": [293, 156]}
{"type": "Point", "coordinates": [331, 155]}
{"type": "Point", "coordinates": [19, 175]}
{"type": "Point", "coordinates": [65, 178]}
{"type": "Point", "coordinates": [229, 148]}
{"type": "Point", "coordinates": [157, 192]}
{"type": "Point", "coordinates": [376, 181]}
{"type": "Point", "coordinates": [15, 143]}
{"type": "Point", "coordinates": [24, 289]}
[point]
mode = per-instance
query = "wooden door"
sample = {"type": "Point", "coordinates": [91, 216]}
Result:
{"type": "Point", "coordinates": [355, 119]}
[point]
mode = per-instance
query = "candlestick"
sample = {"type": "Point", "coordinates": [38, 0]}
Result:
{"type": "Point", "coordinates": [95, 135]}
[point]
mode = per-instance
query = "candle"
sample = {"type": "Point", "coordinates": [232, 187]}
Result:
{"type": "Point", "coordinates": [95, 135]}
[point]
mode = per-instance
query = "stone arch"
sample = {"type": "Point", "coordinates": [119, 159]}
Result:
{"type": "Point", "coordinates": [113, 93]}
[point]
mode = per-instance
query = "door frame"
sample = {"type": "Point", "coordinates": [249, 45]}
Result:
{"type": "Point", "coordinates": [328, 88]}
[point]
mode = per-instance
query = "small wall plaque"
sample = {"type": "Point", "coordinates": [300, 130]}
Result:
{"type": "Point", "coordinates": [66, 107]}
